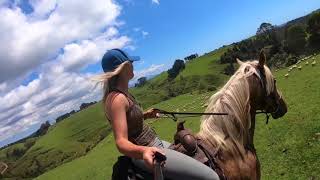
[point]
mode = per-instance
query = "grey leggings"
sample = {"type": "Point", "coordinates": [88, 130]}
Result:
{"type": "Point", "coordinates": [181, 166]}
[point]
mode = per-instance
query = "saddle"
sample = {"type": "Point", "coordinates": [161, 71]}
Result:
{"type": "Point", "coordinates": [185, 142]}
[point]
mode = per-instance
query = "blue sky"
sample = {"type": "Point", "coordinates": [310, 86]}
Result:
{"type": "Point", "coordinates": [177, 28]}
{"type": "Point", "coordinates": [53, 47]}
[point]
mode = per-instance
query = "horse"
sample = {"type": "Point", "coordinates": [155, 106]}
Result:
{"type": "Point", "coordinates": [251, 88]}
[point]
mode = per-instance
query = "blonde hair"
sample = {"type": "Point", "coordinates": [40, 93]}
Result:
{"type": "Point", "coordinates": [110, 79]}
{"type": "Point", "coordinates": [230, 132]}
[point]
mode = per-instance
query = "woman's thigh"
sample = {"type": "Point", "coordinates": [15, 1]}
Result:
{"type": "Point", "coordinates": [181, 166]}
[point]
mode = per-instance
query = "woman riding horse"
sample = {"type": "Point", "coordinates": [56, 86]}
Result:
{"type": "Point", "coordinates": [228, 139]}
{"type": "Point", "coordinates": [133, 138]}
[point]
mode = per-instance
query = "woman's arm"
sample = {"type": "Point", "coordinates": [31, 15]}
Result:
{"type": "Point", "coordinates": [120, 129]}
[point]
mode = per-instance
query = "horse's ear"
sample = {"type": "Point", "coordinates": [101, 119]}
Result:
{"type": "Point", "coordinates": [239, 61]}
{"type": "Point", "coordinates": [262, 58]}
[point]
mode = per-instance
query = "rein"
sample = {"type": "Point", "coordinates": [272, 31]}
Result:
{"type": "Point", "coordinates": [188, 114]}
{"type": "Point", "coordinates": [261, 75]}
{"type": "Point", "coordinates": [266, 113]}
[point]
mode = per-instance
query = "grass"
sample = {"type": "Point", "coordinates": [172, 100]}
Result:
{"type": "Point", "coordinates": [288, 148]}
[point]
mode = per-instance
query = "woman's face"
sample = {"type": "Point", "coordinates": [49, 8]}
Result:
{"type": "Point", "coordinates": [130, 70]}
{"type": "Point", "coordinates": [127, 72]}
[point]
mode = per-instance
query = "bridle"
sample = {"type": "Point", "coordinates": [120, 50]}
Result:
{"type": "Point", "coordinates": [267, 97]}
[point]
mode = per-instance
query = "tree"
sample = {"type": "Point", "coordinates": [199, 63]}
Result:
{"type": "Point", "coordinates": [43, 129]}
{"type": "Point", "coordinates": [264, 28]}
{"type": "Point", "coordinates": [192, 56]}
{"type": "Point", "coordinates": [29, 143]}
{"type": "Point", "coordinates": [229, 70]}
{"type": "Point", "coordinates": [15, 152]}
{"type": "Point", "coordinates": [314, 28]}
{"type": "Point", "coordinates": [177, 67]}
{"type": "Point", "coordinates": [83, 106]}
{"type": "Point", "coordinates": [141, 82]}
{"type": "Point", "coordinates": [267, 35]}
{"type": "Point", "coordinates": [296, 38]}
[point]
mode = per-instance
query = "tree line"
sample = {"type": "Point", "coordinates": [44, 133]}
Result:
{"type": "Point", "coordinates": [283, 44]}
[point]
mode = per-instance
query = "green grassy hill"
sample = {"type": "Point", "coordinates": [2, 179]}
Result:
{"type": "Point", "coordinates": [64, 142]}
{"type": "Point", "coordinates": [200, 74]}
{"type": "Point", "coordinates": [288, 148]}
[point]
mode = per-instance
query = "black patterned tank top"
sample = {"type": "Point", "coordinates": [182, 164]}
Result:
{"type": "Point", "coordinates": [138, 132]}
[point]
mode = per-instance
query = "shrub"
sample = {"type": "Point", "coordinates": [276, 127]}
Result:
{"type": "Point", "coordinates": [177, 67]}
{"type": "Point", "coordinates": [314, 29]}
{"type": "Point", "coordinates": [296, 39]}
{"type": "Point", "coordinates": [29, 143]}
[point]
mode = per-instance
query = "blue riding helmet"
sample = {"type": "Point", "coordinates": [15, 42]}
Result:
{"type": "Point", "coordinates": [114, 57]}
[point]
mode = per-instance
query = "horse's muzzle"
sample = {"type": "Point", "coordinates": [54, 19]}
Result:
{"type": "Point", "coordinates": [281, 109]}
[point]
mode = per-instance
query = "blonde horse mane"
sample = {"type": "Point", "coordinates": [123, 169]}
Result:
{"type": "Point", "coordinates": [230, 133]}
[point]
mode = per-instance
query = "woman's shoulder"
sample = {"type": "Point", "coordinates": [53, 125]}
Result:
{"type": "Point", "coordinates": [116, 98]}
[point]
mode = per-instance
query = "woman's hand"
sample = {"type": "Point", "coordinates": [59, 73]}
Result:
{"type": "Point", "coordinates": [149, 154]}
{"type": "Point", "coordinates": [151, 113]}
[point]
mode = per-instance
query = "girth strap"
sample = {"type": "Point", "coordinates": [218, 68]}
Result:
{"type": "Point", "coordinates": [185, 142]}
{"type": "Point", "coordinates": [212, 162]}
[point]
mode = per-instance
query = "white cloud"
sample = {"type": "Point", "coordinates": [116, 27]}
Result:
{"type": "Point", "coordinates": [44, 99]}
{"type": "Point", "coordinates": [129, 2]}
{"type": "Point", "coordinates": [32, 39]}
{"type": "Point", "coordinates": [150, 71]}
{"type": "Point", "coordinates": [144, 34]}
{"type": "Point", "coordinates": [78, 55]}
{"type": "Point", "coordinates": [156, 2]}
{"type": "Point", "coordinates": [42, 7]}
{"type": "Point", "coordinates": [57, 40]}
{"type": "Point", "coordinates": [136, 29]}
{"type": "Point", "coordinates": [3, 87]}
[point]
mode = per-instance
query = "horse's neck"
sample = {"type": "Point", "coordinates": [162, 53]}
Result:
{"type": "Point", "coordinates": [249, 143]}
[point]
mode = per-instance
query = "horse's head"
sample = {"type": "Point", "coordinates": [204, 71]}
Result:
{"type": "Point", "coordinates": [264, 94]}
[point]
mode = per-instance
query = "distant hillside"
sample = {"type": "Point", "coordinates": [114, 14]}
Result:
{"type": "Point", "coordinates": [301, 20]}
{"type": "Point", "coordinates": [204, 73]}
{"type": "Point", "coordinates": [65, 141]}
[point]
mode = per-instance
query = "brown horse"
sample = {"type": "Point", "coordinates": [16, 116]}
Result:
{"type": "Point", "coordinates": [251, 88]}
